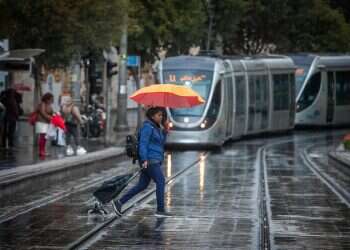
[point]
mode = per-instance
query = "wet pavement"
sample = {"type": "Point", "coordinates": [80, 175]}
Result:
{"type": "Point", "coordinates": [305, 213]}
{"type": "Point", "coordinates": [28, 154]}
{"type": "Point", "coordinates": [214, 206]}
{"type": "Point", "coordinates": [215, 203]}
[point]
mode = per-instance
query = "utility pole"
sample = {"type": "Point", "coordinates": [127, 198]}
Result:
{"type": "Point", "coordinates": [210, 23]}
{"type": "Point", "coordinates": [87, 96]}
{"type": "Point", "coordinates": [109, 70]}
{"type": "Point", "coordinates": [106, 95]}
{"type": "Point", "coordinates": [122, 122]}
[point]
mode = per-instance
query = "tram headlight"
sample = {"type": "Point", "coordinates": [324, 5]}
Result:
{"type": "Point", "coordinates": [203, 124]}
{"type": "Point", "coordinates": [170, 125]}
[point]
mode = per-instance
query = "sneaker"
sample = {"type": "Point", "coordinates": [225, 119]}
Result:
{"type": "Point", "coordinates": [69, 151]}
{"type": "Point", "coordinates": [81, 150]}
{"type": "Point", "coordinates": [163, 214]}
{"type": "Point", "coordinates": [117, 206]}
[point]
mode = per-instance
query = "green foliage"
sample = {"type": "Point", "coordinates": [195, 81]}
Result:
{"type": "Point", "coordinates": [67, 27]}
{"type": "Point", "coordinates": [62, 28]}
{"type": "Point", "coordinates": [173, 24]}
{"type": "Point", "coordinates": [316, 28]}
{"type": "Point", "coordinates": [347, 145]}
{"type": "Point", "coordinates": [286, 25]}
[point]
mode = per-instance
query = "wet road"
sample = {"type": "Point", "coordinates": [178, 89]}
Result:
{"type": "Point", "coordinates": [305, 210]}
{"type": "Point", "coordinates": [216, 203]}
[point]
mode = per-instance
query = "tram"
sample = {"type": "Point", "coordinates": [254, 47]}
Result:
{"type": "Point", "coordinates": [322, 90]}
{"type": "Point", "coordinates": [244, 96]}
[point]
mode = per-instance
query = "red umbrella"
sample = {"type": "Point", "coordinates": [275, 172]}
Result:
{"type": "Point", "coordinates": [58, 121]}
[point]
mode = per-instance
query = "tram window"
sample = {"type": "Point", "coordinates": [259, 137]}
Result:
{"type": "Point", "coordinates": [343, 88]}
{"type": "Point", "coordinates": [264, 92]}
{"type": "Point", "coordinates": [310, 92]}
{"type": "Point", "coordinates": [280, 92]}
{"type": "Point", "coordinates": [240, 95]}
{"type": "Point", "coordinates": [292, 81]}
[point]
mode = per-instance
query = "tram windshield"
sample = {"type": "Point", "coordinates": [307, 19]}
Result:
{"type": "Point", "coordinates": [198, 80]}
{"type": "Point", "coordinates": [303, 63]}
{"type": "Point", "coordinates": [300, 75]}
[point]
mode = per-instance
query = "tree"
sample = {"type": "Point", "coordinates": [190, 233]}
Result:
{"type": "Point", "coordinates": [173, 24]}
{"type": "Point", "coordinates": [315, 27]}
{"type": "Point", "coordinates": [62, 28]}
{"type": "Point", "coordinates": [283, 26]}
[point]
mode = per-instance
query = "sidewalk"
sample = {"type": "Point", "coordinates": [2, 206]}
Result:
{"type": "Point", "coordinates": [28, 154]}
{"type": "Point", "coordinates": [21, 166]}
{"type": "Point", "coordinates": [341, 155]}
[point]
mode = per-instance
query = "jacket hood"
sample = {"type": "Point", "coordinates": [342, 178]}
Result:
{"type": "Point", "coordinates": [151, 123]}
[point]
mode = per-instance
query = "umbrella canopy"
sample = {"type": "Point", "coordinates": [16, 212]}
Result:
{"type": "Point", "coordinates": [167, 95]}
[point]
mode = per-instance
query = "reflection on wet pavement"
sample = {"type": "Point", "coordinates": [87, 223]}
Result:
{"type": "Point", "coordinates": [306, 214]}
{"type": "Point", "coordinates": [215, 204]}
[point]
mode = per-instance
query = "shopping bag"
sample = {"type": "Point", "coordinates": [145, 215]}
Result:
{"type": "Point", "coordinates": [51, 133]}
{"type": "Point", "coordinates": [112, 188]}
{"type": "Point", "coordinates": [60, 137]}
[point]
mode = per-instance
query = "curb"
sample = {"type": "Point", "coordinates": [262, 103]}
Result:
{"type": "Point", "coordinates": [335, 156]}
{"type": "Point", "coordinates": [11, 176]}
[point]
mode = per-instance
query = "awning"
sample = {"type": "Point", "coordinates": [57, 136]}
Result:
{"type": "Point", "coordinates": [21, 54]}
{"type": "Point", "coordinates": [18, 60]}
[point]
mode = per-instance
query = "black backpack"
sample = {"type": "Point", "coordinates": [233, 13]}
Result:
{"type": "Point", "coordinates": [132, 147]}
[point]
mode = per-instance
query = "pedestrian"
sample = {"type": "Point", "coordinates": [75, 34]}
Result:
{"type": "Point", "coordinates": [151, 155]}
{"type": "Point", "coordinates": [72, 117]}
{"type": "Point", "coordinates": [11, 100]}
{"type": "Point", "coordinates": [45, 112]}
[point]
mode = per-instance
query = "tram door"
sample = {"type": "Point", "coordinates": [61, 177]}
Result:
{"type": "Point", "coordinates": [291, 99]}
{"type": "Point", "coordinates": [330, 97]}
{"type": "Point", "coordinates": [229, 103]}
{"type": "Point", "coordinates": [241, 104]}
{"type": "Point", "coordinates": [258, 102]}
{"type": "Point", "coordinates": [251, 108]}
{"type": "Point", "coordinates": [264, 102]}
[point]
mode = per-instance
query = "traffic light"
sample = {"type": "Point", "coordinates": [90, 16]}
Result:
{"type": "Point", "coordinates": [111, 69]}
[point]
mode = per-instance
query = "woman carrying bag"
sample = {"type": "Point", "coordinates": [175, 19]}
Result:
{"type": "Point", "coordinates": [44, 115]}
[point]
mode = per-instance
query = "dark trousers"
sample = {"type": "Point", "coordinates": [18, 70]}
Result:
{"type": "Point", "coordinates": [154, 172]}
{"type": "Point", "coordinates": [72, 131]}
{"type": "Point", "coordinates": [9, 130]}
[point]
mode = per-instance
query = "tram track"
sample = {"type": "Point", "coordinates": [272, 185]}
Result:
{"type": "Point", "coordinates": [266, 238]}
{"type": "Point", "coordinates": [264, 200]}
{"type": "Point", "coordinates": [261, 156]}
{"type": "Point", "coordinates": [339, 191]}
{"type": "Point", "coordinates": [94, 233]}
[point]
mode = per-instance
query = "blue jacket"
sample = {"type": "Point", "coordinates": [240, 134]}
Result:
{"type": "Point", "coordinates": [151, 142]}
